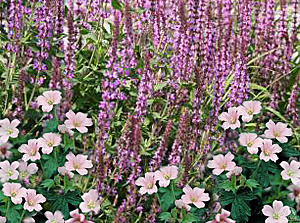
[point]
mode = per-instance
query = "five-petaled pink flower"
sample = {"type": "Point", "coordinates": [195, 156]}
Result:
{"type": "Point", "coordinates": [269, 150]}
{"type": "Point", "coordinates": [147, 183]}
{"type": "Point", "coordinates": [8, 129]}
{"type": "Point", "coordinates": [248, 109]}
{"type": "Point", "coordinates": [27, 170]}
{"type": "Point", "coordinates": [180, 204]}
{"type": "Point", "coordinates": [276, 214]}
{"type": "Point", "coordinates": [251, 141]}
{"type": "Point", "coordinates": [31, 150]}
{"type": "Point", "coordinates": [278, 131]}
{"type": "Point", "coordinates": [57, 217]}
{"type": "Point", "coordinates": [194, 196]}
{"type": "Point", "coordinates": [33, 200]}
{"type": "Point", "coordinates": [236, 171]}
{"type": "Point", "coordinates": [48, 141]}
{"type": "Point", "coordinates": [222, 163]}
{"type": "Point", "coordinates": [90, 202]}
{"type": "Point", "coordinates": [76, 217]}
{"type": "Point", "coordinates": [78, 121]}
{"type": "Point", "coordinates": [8, 171]}
{"type": "Point", "coordinates": [291, 171]}
{"type": "Point", "coordinates": [295, 195]}
{"type": "Point", "coordinates": [222, 218]}
{"type": "Point", "coordinates": [79, 163]}
{"type": "Point", "coordinates": [165, 174]}
{"type": "Point", "coordinates": [48, 99]}
{"type": "Point", "coordinates": [4, 150]}
{"type": "Point", "coordinates": [231, 119]}
{"type": "Point", "coordinates": [15, 191]}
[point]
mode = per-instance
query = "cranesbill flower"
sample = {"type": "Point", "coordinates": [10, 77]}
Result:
{"type": "Point", "coordinates": [48, 99]}
{"type": "Point", "coordinates": [194, 196]}
{"type": "Point", "coordinates": [147, 183]}
{"type": "Point", "coordinates": [62, 171]}
{"type": "Point", "coordinates": [15, 191]}
{"type": "Point", "coordinates": [180, 204]}
{"type": "Point", "coordinates": [31, 150]}
{"type": "Point", "coordinates": [78, 121]}
{"type": "Point", "coordinates": [277, 213]}
{"type": "Point", "coordinates": [231, 119]}
{"type": "Point", "coordinates": [8, 171]}
{"type": "Point", "coordinates": [248, 109]}
{"type": "Point", "coordinates": [90, 202]}
{"type": "Point", "coordinates": [165, 174]}
{"type": "Point", "coordinates": [48, 141]}
{"type": "Point", "coordinates": [251, 141]}
{"type": "Point", "coordinates": [268, 150]}
{"type": "Point", "coordinates": [291, 171]}
{"type": "Point", "coordinates": [222, 218]}
{"type": "Point", "coordinates": [63, 129]}
{"type": "Point", "coordinates": [57, 217]}
{"type": "Point", "coordinates": [4, 150]}
{"type": "Point", "coordinates": [79, 163]}
{"type": "Point", "coordinates": [222, 163]}
{"type": "Point", "coordinates": [295, 195]}
{"type": "Point", "coordinates": [33, 200]}
{"type": "Point", "coordinates": [27, 170]}
{"type": "Point", "coordinates": [236, 171]}
{"type": "Point", "coordinates": [278, 131]}
{"type": "Point", "coordinates": [8, 129]}
{"type": "Point", "coordinates": [76, 217]}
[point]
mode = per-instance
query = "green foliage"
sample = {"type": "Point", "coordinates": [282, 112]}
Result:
{"type": "Point", "coordinates": [48, 183]}
{"type": "Point", "coordinates": [14, 215]}
{"type": "Point", "coordinates": [51, 125]}
{"type": "Point", "coordinates": [288, 150]}
{"type": "Point", "coordinates": [50, 166]}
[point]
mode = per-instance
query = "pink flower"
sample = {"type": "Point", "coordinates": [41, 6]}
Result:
{"type": "Point", "coordinates": [28, 220]}
{"type": "Point", "coordinates": [268, 151]}
{"type": "Point", "coordinates": [48, 99]}
{"type": "Point", "coordinates": [78, 163]}
{"type": "Point", "coordinates": [194, 196]}
{"type": "Point", "coordinates": [251, 141]}
{"type": "Point", "coordinates": [48, 141]}
{"type": "Point", "coordinates": [33, 200]}
{"type": "Point", "coordinates": [180, 204]}
{"type": "Point", "coordinates": [8, 129]}
{"type": "Point", "coordinates": [291, 171]}
{"type": "Point", "coordinates": [4, 150]}
{"type": "Point", "coordinates": [57, 217]}
{"type": "Point", "coordinates": [165, 174]}
{"type": "Point", "coordinates": [231, 119]}
{"type": "Point", "coordinates": [63, 171]}
{"type": "Point", "coordinates": [222, 218]}
{"type": "Point", "coordinates": [77, 218]}
{"type": "Point", "coordinates": [248, 109]}
{"type": "Point", "coordinates": [295, 195]}
{"type": "Point", "coordinates": [78, 121]}
{"type": "Point", "coordinates": [15, 191]}
{"type": "Point", "coordinates": [147, 183]}
{"type": "Point", "coordinates": [31, 150]}
{"type": "Point", "coordinates": [8, 171]}
{"type": "Point", "coordinates": [221, 163]}
{"type": "Point", "coordinates": [278, 131]}
{"type": "Point", "coordinates": [2, 219]}
{"type": "Point", "coordinates": [27, 171]}
{"type": "Point", "coordinates": [62, 129]}
{"type": "Point", "coordinates": [277, 214]}
{"type": "Point", "coordinates": [236, 171]}
{"type": "Point", "coordinates": [90, 202]}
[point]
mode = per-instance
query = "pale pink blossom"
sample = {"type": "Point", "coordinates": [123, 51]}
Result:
{"type": "Point", "coordinates": [90, 202]}
{"type": "Point", "coordinates": [33, 200]}
{"type": "Point", "coordinates": [49, 141]}
{"type": "Point", "coordinates": [77, 218]}
{"type": "Point", "coordinates": [291, 171]}
{"type": "Point", "coordinates": [147, 183]}
{"type": "Point", "coordinates": [278, 131]}
{"type": "Point", "coordinates": [28, 220]}
{"type": "Point", "coordinates": [4, 150]}
{"type": "Point", "coordinates": [2, 219]}
{"type": "Point", "coordinates": [236, 171]}
{"type": "Point", "coordinates": [251, 141]}
{"type": "Point", "coordinates": [27, 170]}
{"type": "Point", "coordinates": [248, 109]}
{"type": "Point", "coordinates": [8, 129]}
{"type": "Point", "coordinates": [8, 171]}
{"type": "Point", "coordinates": [222, 163]}
{"type": "Point", "coordinates": [231, 118]}
{"type": "Point", "coordinates": [269, 150]}
{"type": "Point", "coordinates": [78, 121]}
{"type": "Point", "coordinates": [222, 218]}
{"type": "Point", "coordinates": [63, 171]}
{"type": "Point", "coordinates": [180, 204]}
{"type": "Point", "coordinates": [57, 217]}
{"type": "Point", "coordinates": [63, 129]}
{"type": "Point", "coordinates": [165, 174]}
{"type": "Point", "coordinates": [194, 196]}
{"type": "Point", "coordinates": [31, 150]}
{"type": "Point", "coordinates": [79, 163]}
{"type": "Point", "coordinates": [48, 99]}
{"type": "Point", "coordinates": [276, 214]}
{"type": "Point", "coordinates": [295, 195]}
{"type": "Point", "coordinates": [15, 191]}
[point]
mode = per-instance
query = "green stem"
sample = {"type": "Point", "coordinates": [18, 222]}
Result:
{"type": "Point", "coordinates": [22, 215]}
{"type": "Point", "coordinates": [255, 172]}
{"type": "Point", "coordinates": [158, 199]}
{"type": "Point", "coordinates": [8, 205]}
{"type": "Point", "coordinates": [172, 188]}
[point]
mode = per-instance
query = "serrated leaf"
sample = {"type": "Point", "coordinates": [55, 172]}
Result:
{"type": "Point", "coordinates": [229, 184]}
{"type": "Point", "coordinates": [167, 200]}
{"type": "Point", "coordinates": [68, 142]}
{"type": "Point", "coordinates": [51, 125]}
{"type": "Point", "coordinates": [240, 210]}
{"type": "Point", "coordinates": [251, 183]}
{"type": "Point", "coordinates": [13, 215]}
{"type": "Point", "coordinates": [164, 216]}
{"type": "Point", "coordinates": [189, 217]}
{"type": "Point", "coordinates": [288, 150]}
{"type": "Point", "coordinates": [61, 204]}
{"type": "Point", "coordinates": [50, 167]}
{"type": "Point", "coordinates": [48, 184]}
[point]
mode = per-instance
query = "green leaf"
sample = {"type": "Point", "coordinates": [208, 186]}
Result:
{"type": "Point", "coordinates": [189, 217]}
{"type": "Point", "coordinates": [229, 184]}
{"type": "Point", "coordinates": [2, 196]}
{"type": "Point", "coordinates": [288, 150]}
{"type": "Point", "coordinates": [68, 142]}
{"type": "Point", "coordinates": [13, 215]}
{"type": "Point", "coordinates": [167, 200]}
{"type": "Point", "coordinates": [48, 183]}
{"type": "Point", "coordinates": [50, 167]}
{"type": "Point", "coordinates": [164, 216]}
{"type": "Point", "coordinates": [240, 210]}
{"type": "Point", "coordinates": [51, 125]}
{"type": "Point", "coordinates": [115, 4]}
{"type": "Point", "coordinates": [251, 183]}
{"type": "Point", "coordinates": [73, 198]}
{"type": "Point", "coordinates": [61, 204]}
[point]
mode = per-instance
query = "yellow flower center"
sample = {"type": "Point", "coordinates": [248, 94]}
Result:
{"type": "Point", "coordinates": [249, 143]}
{"type": "Point", "coordinates": [23, 174]}
{"type": "Point", "coordinates": [167, 176]}
{"type": "Point", "coordinates": [50, 101]}
{"type": "Point", "coordinates": [13, 193]}
{"type": "Point", "coordinates": [250, 111]}
{"type": "Point", "coordinates": [267, 152]}
{"type": "Point", "coordinates": [193, 199]}
{"type": "Point", "coordinates": [76, 166]}
{"type": "Point", "coordinates": [150, 185]}
{"type": "Point", "coordinates": [30, 202]}
{"type": "Point", "coordinates": [9, 173]}
{"type": "Point", "coordinates": [276, 216]}
{"type": "Point", "coordinates": [32, 152]}
{"type": "Point", "coordinates": [76, 124]}
{"type": "Point", "coordinates": [232, 121]}
{"type": "Point", "coordinates": [9, 131]}
{"type": "Point", "coordinates": [91, 205]}
{"type": "Point", "coordinates": [276, 134]}
{"type": "Point", "coordinates": [223, 166]}
{"type": "Point", "coordinates": [50, 144]}
{"type": "Point", "coordinates": [290, 173]}
{"type": "Point", "coordinates": [54, 221]}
